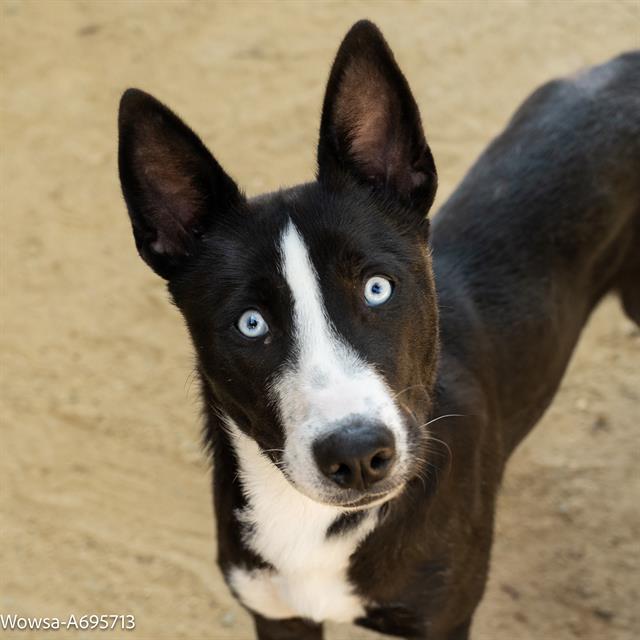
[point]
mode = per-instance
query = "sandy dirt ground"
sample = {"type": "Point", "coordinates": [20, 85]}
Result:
{"type": "Point", "coordinates": [105, 499]}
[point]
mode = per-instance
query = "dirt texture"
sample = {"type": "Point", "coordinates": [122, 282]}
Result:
{"type": "Point", "coordinates": [105, 498]}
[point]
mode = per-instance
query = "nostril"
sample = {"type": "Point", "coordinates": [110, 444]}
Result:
{"type": "Point", "coordinates": [341, 474]}
{"type": "Point", "coordinates": [379, 461]}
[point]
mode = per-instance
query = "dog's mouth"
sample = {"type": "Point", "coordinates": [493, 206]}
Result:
{"type": "Point", "coordinates": [373, 499]}
{"type": "Point", "coordinates": [349, 499]}
{"type": "Point", "coordinates": [367, 501]}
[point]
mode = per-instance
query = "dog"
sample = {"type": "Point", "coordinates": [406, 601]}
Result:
{"type": "Point", "coordinates": [365, 375]}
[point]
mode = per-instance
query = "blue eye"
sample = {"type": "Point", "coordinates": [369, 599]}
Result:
{"type": "Point", "coordinates": [377, 290]}
{"type": "Point", "coordinates": [252, 325]}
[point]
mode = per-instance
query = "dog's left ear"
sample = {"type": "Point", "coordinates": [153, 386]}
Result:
{"type": "Point", "coordinates": [371, 125]}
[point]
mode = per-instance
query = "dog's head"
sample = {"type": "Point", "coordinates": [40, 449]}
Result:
{"type": "Point", "coordinates": [312, 310]}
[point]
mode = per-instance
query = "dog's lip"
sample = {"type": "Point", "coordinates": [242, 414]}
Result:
{"type": "Point", "coordinates": [372, 499]}
{"type": "Point", "coordinates": [365, 500]}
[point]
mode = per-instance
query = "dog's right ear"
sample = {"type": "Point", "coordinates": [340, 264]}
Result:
{"type": "Point", "coordinates": [173, 186]}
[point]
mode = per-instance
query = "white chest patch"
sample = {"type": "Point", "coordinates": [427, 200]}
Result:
{"type": "Point", "coordinates": [288, 530]}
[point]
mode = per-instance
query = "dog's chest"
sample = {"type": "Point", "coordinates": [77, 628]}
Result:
{"type": "Point", "coordinates": [289, 531]}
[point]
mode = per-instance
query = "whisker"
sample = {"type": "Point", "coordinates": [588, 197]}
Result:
{"type": "Point", "coordinates": [188, 383]}
{"type": "Point", "coordinates": [448, 415]}
{"type": "Point", "coordinates": [442, 442]}
{"type": "Point", "coordinates": [413, 386]}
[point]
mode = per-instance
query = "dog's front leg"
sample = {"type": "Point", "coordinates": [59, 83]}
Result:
{"type": "Point", "coordinates": [289, 629]}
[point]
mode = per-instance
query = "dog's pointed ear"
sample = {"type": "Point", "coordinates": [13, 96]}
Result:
{"type": "Point", "coordinates": [173, 186]}
{"type": "Point", "coordinates": [370, 123]}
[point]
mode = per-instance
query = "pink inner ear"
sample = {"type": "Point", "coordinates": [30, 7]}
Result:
{"type": "Point", "coordinates": [365, 112]}
{"type": "Point", "coordinates": [170, 180]}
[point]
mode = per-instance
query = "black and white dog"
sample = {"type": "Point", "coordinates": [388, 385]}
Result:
{"type": "Point", "coordinates": [364, 380]}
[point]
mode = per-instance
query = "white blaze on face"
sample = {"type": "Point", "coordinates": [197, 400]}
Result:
{"type": "Point", "coordinates": [325, 381]}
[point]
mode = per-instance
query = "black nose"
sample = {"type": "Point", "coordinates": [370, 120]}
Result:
{"type": "Point", "coordinates": [356, 455]}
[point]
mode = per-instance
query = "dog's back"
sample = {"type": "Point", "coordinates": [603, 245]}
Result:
{"type": "Point", "coordinates": [565, 173]}
{"type": "Point", "coordinates": [544, 224]}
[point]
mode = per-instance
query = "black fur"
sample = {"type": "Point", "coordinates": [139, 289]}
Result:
{"type": "Point", "coordinates": [545, 223]}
